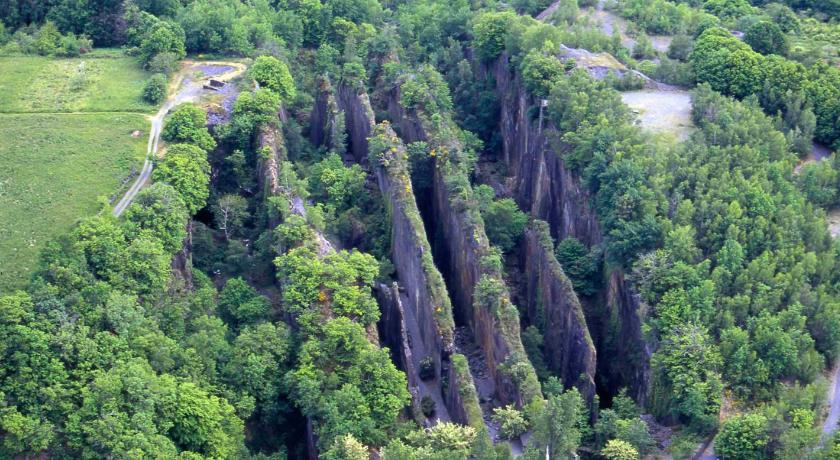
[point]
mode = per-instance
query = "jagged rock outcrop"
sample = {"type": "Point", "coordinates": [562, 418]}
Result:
{"type": "Point", "coordinates": [182, 261]}
{"type": "Point", "coordinates": [272, 153]}
{"type": "Point", "coordinates": [394, 331]}
{"type": "Point", "coordinates": [325, 122]}
{"type": "Point", "coordinates": [542, 183]}
{"type": "Point", "coordinates": [358, 119]}
{"type": "Point", "coordinates": [480, 297]}
{"type": "Point", "coordinates": [417, 317]}
{"type": "Point", "coordinates": [540, 180]}
{"type": "Point", "coordinates": [552, 305]}
{"type": "Point", "coordinates": [410, 249]}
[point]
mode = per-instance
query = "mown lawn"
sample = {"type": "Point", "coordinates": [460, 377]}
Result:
{"type": "Point", "coordinates": [55, 166]}
{"type": "Point", "coordinates": [102, 82]}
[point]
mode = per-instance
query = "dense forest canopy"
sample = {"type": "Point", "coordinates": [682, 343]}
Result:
{"type": "Point", "coordinates": [244, 304]}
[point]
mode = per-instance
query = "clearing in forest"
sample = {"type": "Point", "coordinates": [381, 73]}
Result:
{"type": "Point", "coordinates": [662, 111]}
{"type": "Point", "coordinates": [65, 140]}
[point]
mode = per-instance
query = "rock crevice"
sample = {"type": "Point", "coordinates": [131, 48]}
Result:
{"type": "Point", "coordinates": [545, 186]}
{"type": "Point", "coordinates": [480, 296]}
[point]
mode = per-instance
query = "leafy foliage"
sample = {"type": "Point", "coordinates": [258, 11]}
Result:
{"type": "Point", "coordinates": [511, 422]}
{"type": "Point", "coordinates": [767, 38]}
{"type": "Point", "coordinates": [185, 167]}
{"type": "Point", "coordinates": [617, 449]}
{"type": "Point", "coordinates": [188, 124]}
{"type": "Point", "coordinates": [155, 90]}
{"type": "Point", "coordinates": [490, 30]}
{"type": "Point", "coordinates": [272, 73]}
{"type": "Point", "coordinates": [581, 265]}
{"type": "Point", "coordinates": [743, 437]}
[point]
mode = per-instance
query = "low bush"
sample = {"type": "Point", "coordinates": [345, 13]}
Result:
{"type": "Point", "coordinates": [155, 90]}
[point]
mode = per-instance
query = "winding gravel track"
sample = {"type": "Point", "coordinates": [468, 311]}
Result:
{"type": "Point", "coordinates": [830, 424]}
{"type": "Point", "coordinates": [187, 89]}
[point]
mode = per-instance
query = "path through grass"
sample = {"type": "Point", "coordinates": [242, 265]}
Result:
{"type": "Point", "coordinates": [65, 141]}
{"type": "Point", "coordinates": [54, 168]}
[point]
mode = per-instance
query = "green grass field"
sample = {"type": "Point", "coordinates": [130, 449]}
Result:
{"type": "Point", "coordinates": [54, 164]}
{"type": "Point", "coordinates": [89, 84]}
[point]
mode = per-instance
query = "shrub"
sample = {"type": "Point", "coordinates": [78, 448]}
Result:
{"type": "Point", "coordinates": [782, 16]}
{"type": "Point", "coordinates": [273, 74]}
{"type": "Point", "coordinates": [155, 90]}
{"type": "Point", "coordinates": [185, 167]}
{"type": "Point", "coordinates": [164, 63]}
{"type": "Point", "coordinates": [347, 448]}
{"type": "Point", "coordinates": [767, 38]}
{"type": "Point", "coordinates": [164, 37]}
{"type": "Point", "coordinates": [743, 438]}
{"type": "Point", "coordinates": [580, 265]}
{"type": "Point", "coordinates": [72, 46]}
{"type": "Point", "coordinates": [242, 303]}
{"type": "Point", "coordinates": [427, 368]}
{"type": "Point", "coordinates": [490, 32]}
{"type": "Point", "coordinates": [728, 8]}
{"type": "Point", "coordinates": [505, 223]}
{"type": "Point", "coordinates": [511, 422]}
{"type": "Point", "coordinates": [643, 48]}
{"type": "Point", "coordinates": [617, 449]}
{"type": "Point", "coordinates": [188, 124]}
{"type": "Point", "coordinates": [539, 72]}
{"type": "Point", "coordinates": [680, 47]}
{"type": "Point", "coordinates": [428, 406]}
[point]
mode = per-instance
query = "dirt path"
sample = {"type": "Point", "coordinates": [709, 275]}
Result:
{"type": "Point", "coordinates": [607, 22]}
{"type": "Point", "coordinates": [185, 87]}
{"type": "Point", "coordinates": [833, 397]}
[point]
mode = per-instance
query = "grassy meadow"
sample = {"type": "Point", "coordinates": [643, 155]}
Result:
{"type": "Point", "coordinates": [89, 84]}
{"type": "Point", "coordinates": [65, 140]}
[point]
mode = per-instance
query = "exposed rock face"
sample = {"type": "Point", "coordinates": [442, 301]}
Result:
{"type": "Point", "coordinates": [623, 303]}
{"type": "Point", "coordinates": [417, 318]}
{"type": "Point", "coordinates": [542, 183]}
{"type": "Point", "coordinates": [394, 331]}
{"type": "Point", "coordinates": [270, 139]}
{"type": "Point", "coordinates": [358, 119]}
{"type": "Point", "coordinates": [311, 440]}
{"type": "Point", "coordinates": [552, 304]}
{"type": "Point", "coordinates": [325, 119]}
{"type": "Point", "coordinates": [460, 392]}
{"type": "Point", "coordinates": [342, 115]}
{"type": "Point", "coordinates": [462, 248]}
{"type": "Point", "coordinates": [411, 252]}
{"type": "Point", "coordinates": [182, 262]}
